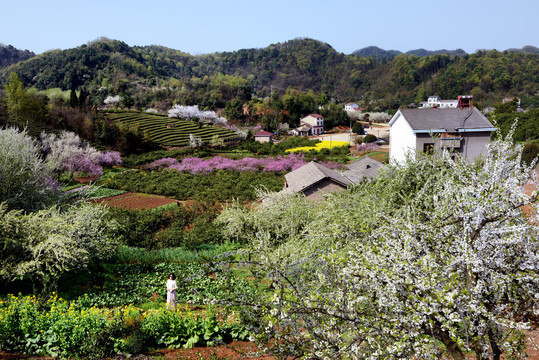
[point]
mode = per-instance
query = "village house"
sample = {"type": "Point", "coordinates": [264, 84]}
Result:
{"type": "Point", "coordinates": [436, 102]}
{"type": "Point", "coordinates": [264, 137]}
{"type": "Point", "coordinates": [315, 180]}
{"type": "Point", "coordinates": [351, 107]}
{"type": "Point", "coordinates": [464, 130]}
{"type": "Point", "coordinates": [312, 124]}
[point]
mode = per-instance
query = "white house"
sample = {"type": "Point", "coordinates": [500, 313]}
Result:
{"type": "Point", "coordinates": [437, 102]}
{"type": "Point", "coordinates": [315, 121]}
{"type": "Point", "coordinates": [264, 136]}
{"type": "Point", "coordinates": [464, 131]}
{"type": "Point", "coordinates": [351, 107]}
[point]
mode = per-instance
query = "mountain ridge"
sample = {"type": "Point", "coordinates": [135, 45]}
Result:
{"type": "Point", "coordinates": [111, 67]}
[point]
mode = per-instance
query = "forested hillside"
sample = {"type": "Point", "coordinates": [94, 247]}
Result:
{"type": "Point", "coordinates": [303, 64]}
{"type": "Point", "coordinates": [10, 55]}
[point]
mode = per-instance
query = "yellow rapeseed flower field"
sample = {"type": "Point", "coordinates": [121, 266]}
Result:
{"type": "Point", "coordinates": [325, 144]}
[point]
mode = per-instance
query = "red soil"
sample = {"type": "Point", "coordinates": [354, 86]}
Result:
{"type": "Point", "coordinates": [135, 201]}
{"type": "Point", "coordinates": [85, 179]}
{"type": "Point", "coordinates": [236, 350]}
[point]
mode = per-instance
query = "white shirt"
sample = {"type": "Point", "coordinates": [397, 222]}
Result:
{"type": "Point", "coordinates": [171, 285]}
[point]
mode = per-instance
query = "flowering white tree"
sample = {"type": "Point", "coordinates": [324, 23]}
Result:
{"type": "Point", "coordinates": [25, 180]}
{"type": "Point", "coordinates": [112, 100]}
{"type": "Point", "coordinates": [190, 112]}
{"type": "Point", "coordinates": [67, 152]}
{"type": "Point", "coordinates": [194, 141]}
{"type": "Point", "coordinates": [434, 258]}
{"type": "Point", "coordinates": [44, 244]}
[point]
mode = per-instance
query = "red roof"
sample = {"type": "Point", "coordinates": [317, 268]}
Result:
{"type": "Point", "coordinates": [316, 115]}
{"type": "Point", "coordinates": [264, 133]}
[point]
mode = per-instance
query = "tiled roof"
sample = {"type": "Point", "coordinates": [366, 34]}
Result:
{"type": "Point", "coordinates": [309, 174]}
{"type": "Point", "coordinates": [264, 133]}
{"type": "Point", "coordinates": [451, 120]}
{"type": "Point", "coordinates": [315, 115]}
{"type": "Point", "coordinates": [304, 127]}
{"type": "Point", "coordinates": [365, 167]}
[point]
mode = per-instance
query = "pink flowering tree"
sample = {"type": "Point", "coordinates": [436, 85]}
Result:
{"type": "Point", "coordinates": [196, 165]}
{"type": "Point", "coordinates": [367, 147]}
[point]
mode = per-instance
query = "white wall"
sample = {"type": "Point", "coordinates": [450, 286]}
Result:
{"type": "Point", "coordinates": [401, 139]}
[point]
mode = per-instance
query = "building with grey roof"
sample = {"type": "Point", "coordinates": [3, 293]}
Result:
{"type": "Point", "coordinates": [315, 180]}
{"type": "Point", "coordinates": [465, 131]}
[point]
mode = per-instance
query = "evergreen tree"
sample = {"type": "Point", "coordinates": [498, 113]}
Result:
{"type": "Point", "coordinates": [73, 100]}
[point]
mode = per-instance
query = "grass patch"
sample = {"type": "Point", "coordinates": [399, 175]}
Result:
{"type": "Point", "coordinates": [379, 156]}
{"type": "Point", "coordinates": [96, 192]}
{"type": "Point", "coordinates": [202, 253]}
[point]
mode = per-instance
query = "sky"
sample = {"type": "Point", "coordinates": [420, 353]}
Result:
{"type": "Point", "coordinates": [208, 26]}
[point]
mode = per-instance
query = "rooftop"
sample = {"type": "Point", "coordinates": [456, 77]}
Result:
{"type": "Point", "coordinates": [448, 120]}
{"type": "Point", "coordinates": [264, 133]}
{"type": "Point", "coordinates": [365, 167]}
{"type": "Point", "coordinates": [309, 174]}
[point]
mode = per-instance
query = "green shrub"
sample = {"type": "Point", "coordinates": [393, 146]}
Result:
{"type": "Point", "coordinates": [529, 153]}
{"type": "Point", "coordinates": [358, 128]}
{"type": "Point", "coordinates": [59, 328]}
{"type": "Point", "coordinates": [175, 330]}
{"type": "Point", "coordinates": [217, 186]}
{"type": "Point", "coordinates": [369, 138]}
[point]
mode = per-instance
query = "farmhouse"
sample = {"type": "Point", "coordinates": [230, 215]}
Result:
{"type": "Point", "coordinates": [316, 123]}
{"type": "Point", "coordinates": [465, 131]}
{"type": "Point", "coordinates": [264, 136]}
{"type": "Point", "coordinates": [315, 180]}
{"type": "Point", "coordinates": [437, 102]}
{"type": "Point", "coordinates": [302, 130]}
{"type": "Point", "coordinates": [351, 107]}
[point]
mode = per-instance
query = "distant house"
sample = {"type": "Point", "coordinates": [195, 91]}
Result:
{"type": "Point", "coordinates": [465, 131]}
{"type": "Point", "coordinates": [314, 181]}
{"type": "Point", "coordinates": [315, 121]}
{"type": "Point", "coordinates": [351, 107]}
{"type": "Point", "coordinates": [264, 136]}
{"type": "Point", "coordinates": [511, 98]}
{"type": "Point", "coordinates": [302, 130]}
{"type": "Point", "coordinates": [437, 102]}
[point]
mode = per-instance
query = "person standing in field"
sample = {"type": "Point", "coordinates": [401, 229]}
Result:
{"type": "Point", "coordinates": [171, 291]}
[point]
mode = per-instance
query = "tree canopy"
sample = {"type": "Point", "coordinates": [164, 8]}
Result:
{"type": "Point", "coordinates": [432, 257]}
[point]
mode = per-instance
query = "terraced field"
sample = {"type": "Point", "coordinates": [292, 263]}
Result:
{"type": "Point", "coordinates": [171, 132]}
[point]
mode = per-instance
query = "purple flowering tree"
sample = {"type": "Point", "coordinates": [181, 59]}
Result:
{"type": "Point", "coordinates": [67, 153]}
{"type": "Point", "coordinates": [109, 158]}
{"type": "Point", "coordinates": [196, 165]}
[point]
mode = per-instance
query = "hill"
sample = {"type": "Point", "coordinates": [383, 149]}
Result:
{"type": "Point", "coordinates": [380, 54]}
{"type": "Point", "coordinates": [376, 52]}
{"type": "Point", "coordinates": [111, 67]}
{"type": "Point", "coordinates": [423, 52]}
{"type": "Point", "coordinates": [10, 55]}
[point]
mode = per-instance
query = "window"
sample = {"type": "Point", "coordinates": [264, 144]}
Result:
{"type": "Point", "coordinates": [428, 148]}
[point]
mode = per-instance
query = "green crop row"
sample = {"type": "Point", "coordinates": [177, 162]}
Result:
{"type": "Point", "coordinates": [170, 131]}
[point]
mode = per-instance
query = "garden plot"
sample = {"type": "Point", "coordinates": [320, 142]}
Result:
{"type": "Point", "coordinates": [135, 201]}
